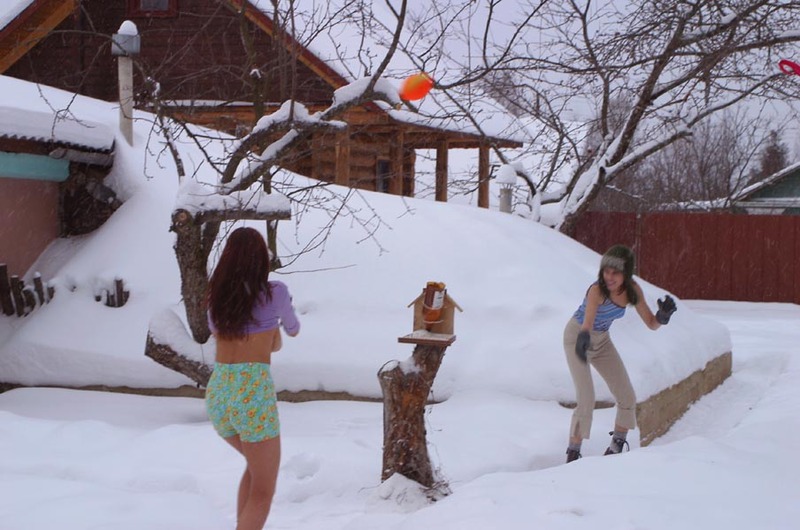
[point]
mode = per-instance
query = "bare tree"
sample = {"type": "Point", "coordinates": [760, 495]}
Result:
{"type": "Point", "coordinates": [773, 157]}
{"type": "Point", "coordinates": [702, 171]}
{"type": "Point", "coordinates": [676, 63]}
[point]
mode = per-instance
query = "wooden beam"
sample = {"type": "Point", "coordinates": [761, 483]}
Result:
{"type": "Point", "coordinates": [483, 176]}
{"type": "Point", "coordinates": [343, 158]}
{"type": "Point", "coordinates": [441, 170]}
{"type": "Point", "coordinates": [409, 171]}
{"type": "Point", "coordinates": [396, 157]}
{"type": "Point", "coordinates": [45, 18]}
{"type": "Point", "coordinates": [316, 157]}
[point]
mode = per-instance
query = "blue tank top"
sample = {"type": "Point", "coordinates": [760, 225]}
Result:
{"type": "Point", "coordinates": [607, 312]}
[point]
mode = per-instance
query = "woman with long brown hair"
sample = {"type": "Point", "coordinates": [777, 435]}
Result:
{"type": "Point", "coordinates": [245, 313]}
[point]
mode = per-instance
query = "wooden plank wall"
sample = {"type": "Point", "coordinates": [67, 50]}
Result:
{"type": "Point", "coordinates": [706, 256]}
{"type": "Point", "coordinates": [197, 54]}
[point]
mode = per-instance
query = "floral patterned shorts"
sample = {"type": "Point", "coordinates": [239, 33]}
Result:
{"type": "Point", "coordinates": [241, 399]}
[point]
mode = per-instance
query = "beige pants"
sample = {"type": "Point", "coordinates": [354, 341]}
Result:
{"type": "Point", "coordinates": [606, 360]}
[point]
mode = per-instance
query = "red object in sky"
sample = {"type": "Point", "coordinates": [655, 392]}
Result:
{"type": "Point", "coordinates": [789, 67]}
{"type": "Point", "coordinates": [416, 87]}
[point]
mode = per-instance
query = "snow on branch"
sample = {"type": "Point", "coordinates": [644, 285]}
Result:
{"type": "Point", "coordinates": [205, 203]}
{"type": "Point", "coordinates": [383, 90]}
{"type": "Point", "coordinates": [244, 168]}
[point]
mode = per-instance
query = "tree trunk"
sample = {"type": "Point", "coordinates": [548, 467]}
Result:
{"type": "Point", "coordinates": [567, 226]}
{"type": "Point", "coordinates": [405, 391]}
{"type": "Point", "coordinates": [166, 356]}
{"type": "Point", "coordinates": [192, 261]}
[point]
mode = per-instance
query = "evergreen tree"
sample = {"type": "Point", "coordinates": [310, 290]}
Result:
{"type": "Point", "coordinates": [773, 157]}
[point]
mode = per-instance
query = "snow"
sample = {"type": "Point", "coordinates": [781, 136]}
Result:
{"type": "Point", "coordinates": [128, 28]}
{"type": "Point", "coordinates": [195, 197]}
{"type": "Point", "coordinates": [507, 175]}
{"type": "Point", "coordinates": [379, 244]}
{"type": "Point", "coordinates": [18, 120]}
{"type": "Point", "coordinates": [353, 90]}
{"type": "Point", "coordinates": [98, 460]}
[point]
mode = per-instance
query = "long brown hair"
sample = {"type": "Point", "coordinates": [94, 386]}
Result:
{"type": "Point", "coordinates": [241, 275]}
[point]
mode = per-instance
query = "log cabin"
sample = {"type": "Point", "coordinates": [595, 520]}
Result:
{"type": "Point", "coordinates": [225, 63]}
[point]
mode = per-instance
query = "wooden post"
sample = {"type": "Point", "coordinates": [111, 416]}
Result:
{"type": "Point", "coordinates": [343, 158]}
{"type": "Point", "coordinates": [39, 288]}
{"type": "Point", "coordinates": [30, 300]}
{"type": "Point", "coordinates": [405, 388]}
{"type": "Point", "coordinates": [5, 291]}
{"type": "Point", "coordinates": [396, 161]}
{"type": "Point", "coordinates": [16, 295]}
{"type": "Point", "coordinates": [125, 68]}
{"type": "Point", "coordinates": [441, 171]}
{"type": "Point", "coordinates": [120, 294]}
{"type": "Point", "coordinates": [483, 176]}
{"type": "Point", "coordinates": [409, 171]}
{"type": "Point", "coordinates": [317, 157]}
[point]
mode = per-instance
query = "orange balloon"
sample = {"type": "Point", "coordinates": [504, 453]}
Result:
{"type": "Point", "coordinates": [416, 87]}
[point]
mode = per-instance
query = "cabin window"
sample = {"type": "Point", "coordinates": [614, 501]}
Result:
{"type": "Point", "coordinates": [152, 8]}
{"type": "Point", "coordinates": [383, 175]}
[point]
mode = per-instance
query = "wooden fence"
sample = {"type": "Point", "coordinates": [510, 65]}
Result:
{"type": "Point", "coordinates": [706, 256]}
{"type": "Point", "coordinates": [19, 299]}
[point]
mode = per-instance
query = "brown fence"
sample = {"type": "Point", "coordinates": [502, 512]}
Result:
{"type": "Point", "coordinates": [17, 298]}
{"type": "Point", "coordinates": [706, 256]}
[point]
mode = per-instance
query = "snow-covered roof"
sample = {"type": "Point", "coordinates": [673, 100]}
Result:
{"type": "Point", "coordinates": [50, 115]}
{"type": "Point", "coordinates": [768, 181]}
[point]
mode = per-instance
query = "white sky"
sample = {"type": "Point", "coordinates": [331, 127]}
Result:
{"type": "Point", "coordinates": [100, 461]}
{"type": "Point", "coordinates": [10, 9]}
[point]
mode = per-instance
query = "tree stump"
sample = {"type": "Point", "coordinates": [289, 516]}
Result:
{"type": "Point", "coordinates": [405, 386]}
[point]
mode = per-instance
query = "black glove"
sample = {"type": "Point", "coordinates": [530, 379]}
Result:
{"type": "Point", "coordinates": [665, 309]}
{"type": "Point", "coordinates": [581, 345]}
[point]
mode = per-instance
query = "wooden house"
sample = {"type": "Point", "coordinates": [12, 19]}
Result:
{"type": "Point", "coordinates": [778, 194]}
{"type": "Point", "coordinates": [203, 55]}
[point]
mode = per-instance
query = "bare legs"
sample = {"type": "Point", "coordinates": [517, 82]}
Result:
{"type": "Point", "coordinates": [257, 486]}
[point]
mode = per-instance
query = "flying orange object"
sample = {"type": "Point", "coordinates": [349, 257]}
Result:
{"type": "Point", "coordinates": [416, 87]}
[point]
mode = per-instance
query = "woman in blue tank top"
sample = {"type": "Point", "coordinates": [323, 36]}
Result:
{"type": "Point", "coordinates": [588, 343]}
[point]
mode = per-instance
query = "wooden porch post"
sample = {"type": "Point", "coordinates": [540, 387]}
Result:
{"type": "Point", "coordinates": [316, 158]}
{"type": "Point", "coordinates": [396, 157]}
{"type": "Point", "coordinates": [409, 171]}
{"type": "Point", "coordinates": [483, 176]}
{"type": "Point", "coordinates": [343, 158]}
{"type": "Point", "coordinates": [441, 171]}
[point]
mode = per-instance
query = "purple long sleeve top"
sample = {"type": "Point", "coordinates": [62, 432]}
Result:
{"type": "Point", "coordinates": [269, 314]}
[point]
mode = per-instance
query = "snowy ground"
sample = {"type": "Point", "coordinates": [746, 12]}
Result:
{"type": "Point", "coordinates": [85, 460]}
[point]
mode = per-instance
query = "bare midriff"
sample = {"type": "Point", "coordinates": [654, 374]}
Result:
{"type": "Point", "coordinates": [254, 348]}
